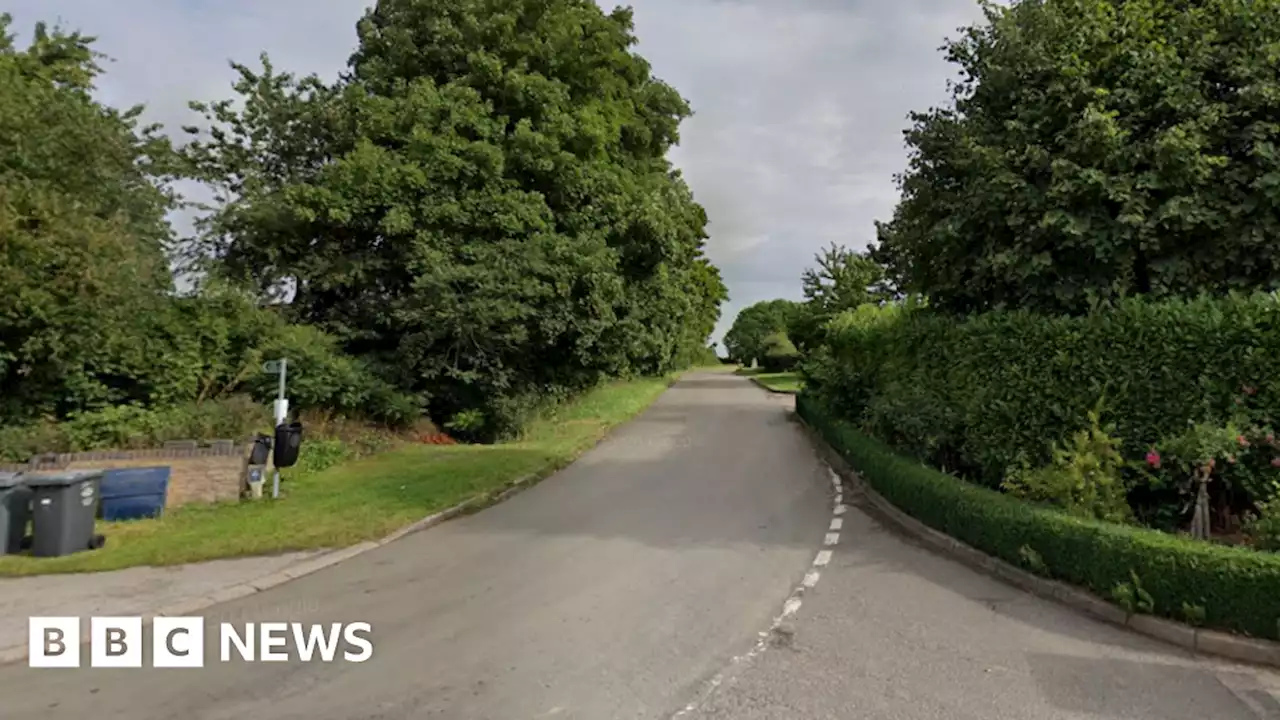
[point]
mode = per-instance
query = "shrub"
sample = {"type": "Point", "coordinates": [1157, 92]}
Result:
{"type": "Point", "coordinates": [133, 427]}
{"type": "Point", "coordinates": [126, 427]}
{"type": "Point", "coordinates": [1236, 588]}
{"type": "Point", "coordinates": [1264, 529]}
{"type": "Point", "coordinates": [780, 355]}
{"type": "Point", "coordinates": [1086, 478]}
{"type": "Point", "coordinates": [216, 342]}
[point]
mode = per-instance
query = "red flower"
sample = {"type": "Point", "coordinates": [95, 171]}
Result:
{"type": "Point", "coordinates": [1271, 437]}
{"type": "Point", "coordinates": [1249, 389]}
{"type": "Point", "coordinates": [1243, 442]}
{"type": "Point", "coordinates": [1153, 459]}
{"type": "Point", "coordinates": [1275, 462]}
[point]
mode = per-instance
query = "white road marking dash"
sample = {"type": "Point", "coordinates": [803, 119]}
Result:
{"type": "Point", "coordinates": [811, 579]}
{"type": "Point", "coordinates": [791, 607]}
{"type": "Point", "coordinates": [824, 557]}
{"type": "Point", "coordinates": [837, 524]}
{"type": "Point", "coordinates": [831, 539]}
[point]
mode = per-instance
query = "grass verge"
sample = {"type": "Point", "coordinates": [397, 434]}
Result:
{"type": "Point", "coordinates": [1146, 571]}
{"type": "Point", "coordinates": [362, 500]}
{"type": "Point", "coordinates": [782, 382]}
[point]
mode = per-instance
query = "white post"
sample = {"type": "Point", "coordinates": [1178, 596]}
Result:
{"type": "Point", "coordinates": [282, 414]}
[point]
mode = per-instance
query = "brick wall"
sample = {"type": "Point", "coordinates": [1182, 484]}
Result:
{"type": "Point", "coordinates": [196, 474]}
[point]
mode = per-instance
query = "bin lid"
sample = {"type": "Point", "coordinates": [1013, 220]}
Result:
{"type": "Point", "coordinates": [10, 479]}
{"type": "Point", "coordinates": [65, 477]}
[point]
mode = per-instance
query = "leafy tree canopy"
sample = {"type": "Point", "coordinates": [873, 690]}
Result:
{"type": "Point", "coordinates": [482, 206]}
{"type": "Point", "coordinates": [749, 338]}
{"type": "Point", "coordinates": [83, 236]}
{"type": "Point", "coordinates": [1096, 149]}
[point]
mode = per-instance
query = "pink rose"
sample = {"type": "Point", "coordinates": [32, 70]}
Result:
{"type": "Point", "coordinates": [1153, 459]}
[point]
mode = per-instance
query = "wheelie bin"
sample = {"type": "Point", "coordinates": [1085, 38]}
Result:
{"type": "Point", "coordinates": [64, 506]}
{"type": "Point", "coordinates": [288, 443]}
{"type": "Point", "coordinates": [15, 512]}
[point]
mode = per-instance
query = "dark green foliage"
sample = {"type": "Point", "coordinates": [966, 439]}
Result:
{"type": "Point", "coordinates": [82, 233]}
{"type": "Point", "coordinates": [988, 393]}
{"type": "Point", "coordinates": [90, 331]}
{"type": "Point", "coordinates": [780, 355]}
{"type": "Point", "coordinates": [482, 208]}
{"type": "Point", "coordinates": [1096, 149]}
{"type": "Point", "coordinates": [746, 339]}
{"type": "Point", "coordinates": [123, 427]}
{"type": "Point", "coordinates": [842, 280]}
{"type": "Point", "coordinates": [1234, 587]}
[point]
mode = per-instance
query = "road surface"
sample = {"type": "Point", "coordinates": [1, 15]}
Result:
{"type": "Point", "coordinates": [624, 588]}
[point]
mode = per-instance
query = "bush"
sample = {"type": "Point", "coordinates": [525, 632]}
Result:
{"type": "Point", "coordinates": [128, 427]}
{"type": "Point", "coordinates": [216, 342]}
{"type": "Point", "coordinates": [1000, 389]}
{"type": "Point", "coordinates": [1236, 588]}
{"type": "Point", "coordinates": [1264, 529]}
{"type": "Point", "coordinates": [239, 417]}
{"type": "Point", "coordinates": [1086, 478]}
{"type": "Point", "coordinates": [780, 354]}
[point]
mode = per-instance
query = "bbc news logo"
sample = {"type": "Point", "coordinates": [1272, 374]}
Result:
{"type": "Point", "coordinates": [179, 642]}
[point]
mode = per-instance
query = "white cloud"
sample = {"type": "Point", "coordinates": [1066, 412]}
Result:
{"type": "Point", "coordinates": [799, 105]}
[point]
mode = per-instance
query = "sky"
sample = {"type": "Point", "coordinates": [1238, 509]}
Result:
{"type": "Point", "coordinates": [799, 105]}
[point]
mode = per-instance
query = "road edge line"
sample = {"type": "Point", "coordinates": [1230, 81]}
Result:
{"type": "Point", "coordinates": [1253, 651]}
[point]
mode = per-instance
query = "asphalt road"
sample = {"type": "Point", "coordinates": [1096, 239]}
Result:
{"type": "Point", "coordinates": [613, 589]}
{"type": "Point", "coordinates": [635, 584]}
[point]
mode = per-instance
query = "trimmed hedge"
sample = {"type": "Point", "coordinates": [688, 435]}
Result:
{"type": "Point", "coordinates": [1239, 589]}
{"type": "Point", "coordinates": [982, 394]}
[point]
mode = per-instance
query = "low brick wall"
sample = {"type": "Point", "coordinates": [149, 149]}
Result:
{"type": "Point", "coordinates": [196, 474]}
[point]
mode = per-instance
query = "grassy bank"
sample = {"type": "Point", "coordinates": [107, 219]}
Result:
{"type": "Point", "coordinates": [358, 501]}
{"type": "Point", "coordinates": [782, 382]}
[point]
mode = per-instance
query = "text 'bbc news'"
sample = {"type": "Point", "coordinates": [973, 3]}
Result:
{"type": "Point", "coordinates": [179, 642]}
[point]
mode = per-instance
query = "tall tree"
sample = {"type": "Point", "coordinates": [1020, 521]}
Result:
{"type": "Point", "coordinates": [841, 280]}
{"type": "Point", "coordinates": [83, 236]}
{"type": "Point", "coordinates": [844, 279]}
{"type": "Point", "coordinates": [1096, 149]}
{"type": "Point", "coordinates": [747, 339]}
{"type": "Point", "coordinates": [483, 204]}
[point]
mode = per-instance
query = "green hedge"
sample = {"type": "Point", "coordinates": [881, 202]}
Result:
{"type": "Point", "coordinates": [1238, 588]}
{"type": "Point", "coordinates": [984, 393]}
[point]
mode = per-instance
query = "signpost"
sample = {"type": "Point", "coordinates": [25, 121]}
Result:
{"type": "Point", "coordinates": [280, 367]}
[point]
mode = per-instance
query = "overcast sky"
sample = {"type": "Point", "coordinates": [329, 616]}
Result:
{"type": "Point", "coordinates": [799, 104]}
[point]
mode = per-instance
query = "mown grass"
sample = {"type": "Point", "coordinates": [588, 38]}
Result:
{"type": "Point", "coordinates": [361, 500]}
{"type": "Point", "coordinates": [783, 382]}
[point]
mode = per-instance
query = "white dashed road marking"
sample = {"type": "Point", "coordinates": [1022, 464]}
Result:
{"type": "Point", "coordinates": [794, 601]}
